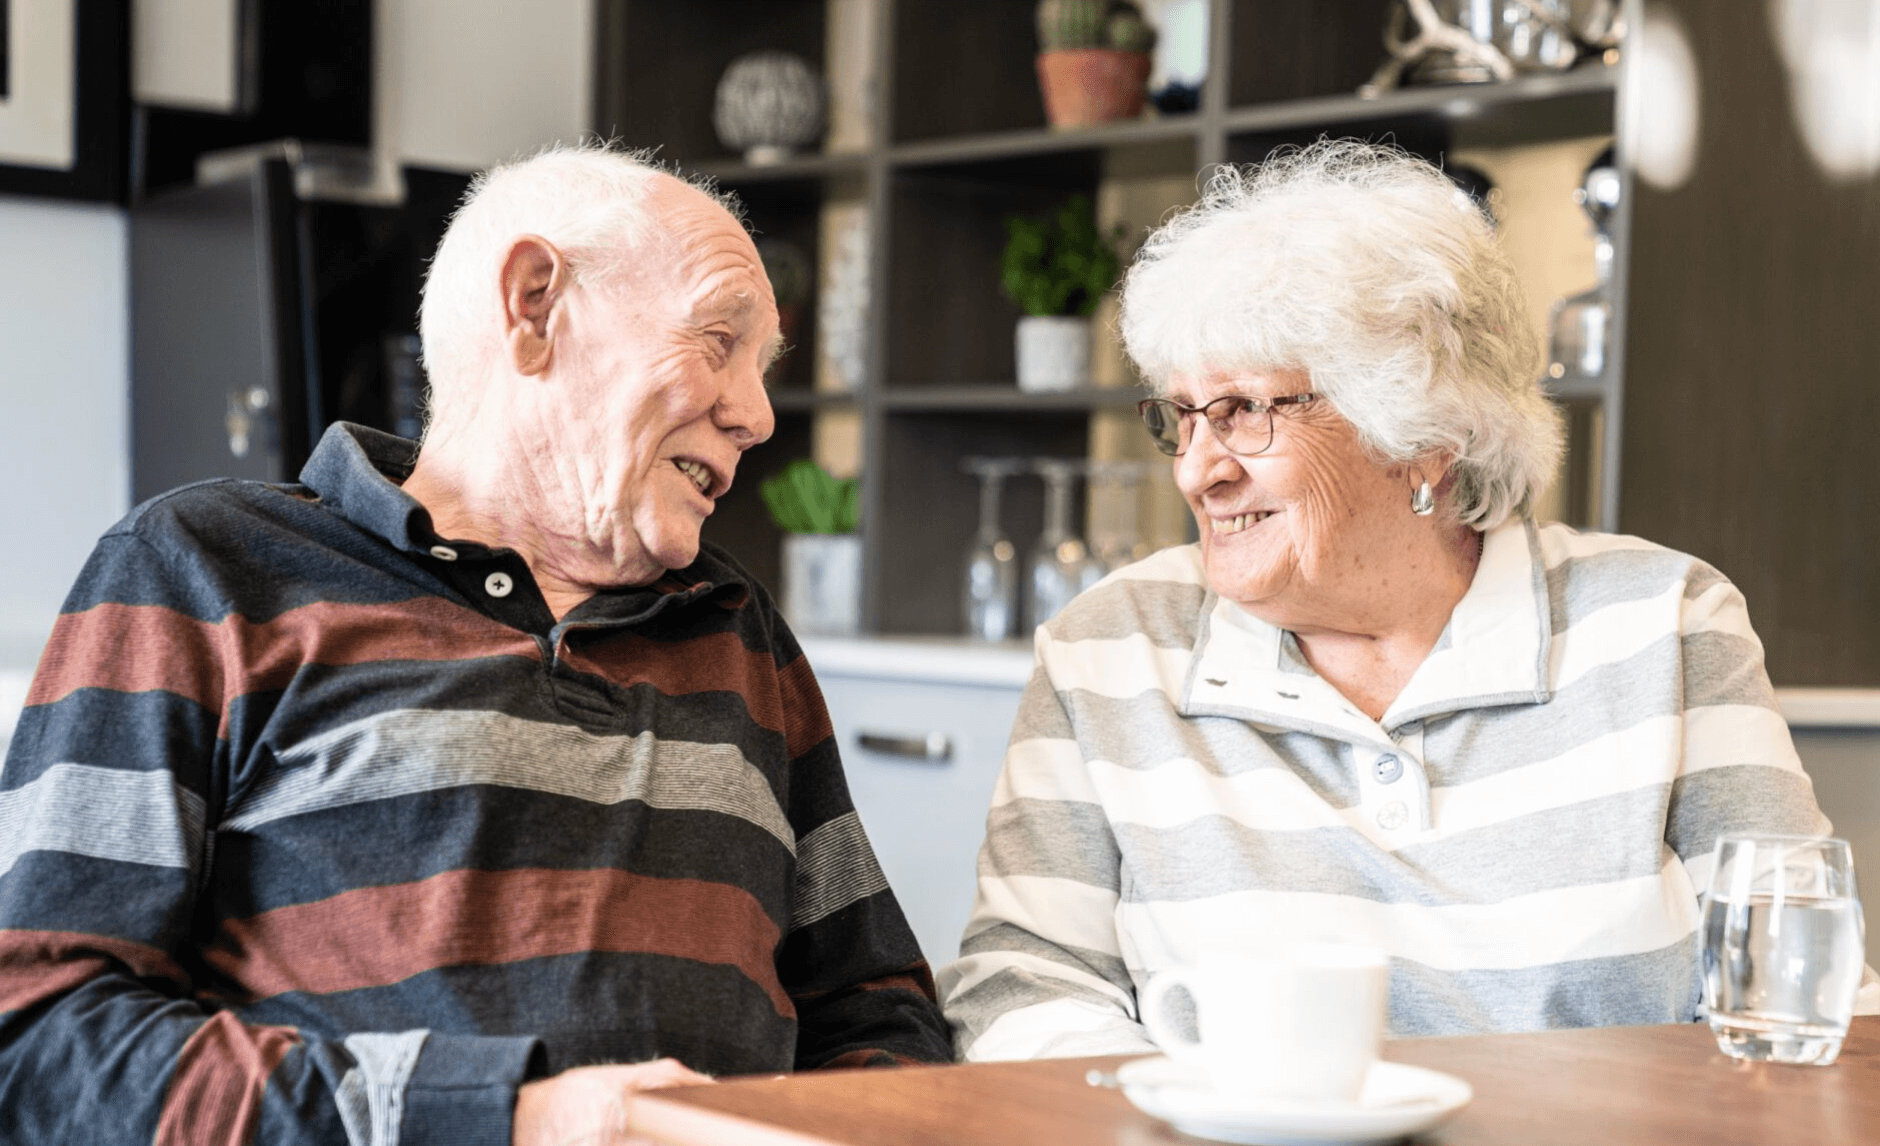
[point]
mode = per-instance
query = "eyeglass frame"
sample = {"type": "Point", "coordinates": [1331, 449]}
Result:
{"type": "Point", "coordinates": [1143, 407]}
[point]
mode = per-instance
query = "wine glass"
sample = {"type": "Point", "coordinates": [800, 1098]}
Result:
{"type": "Point", "coordinates": [1061, 564]}
{"type": "Point", "coordinates": [989, 597]}
{"type": "Point", "coordinates": [1113, 508]}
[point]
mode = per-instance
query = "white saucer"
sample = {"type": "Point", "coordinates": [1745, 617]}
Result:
{"type": "Point", "coordinates": [1398, 1100]}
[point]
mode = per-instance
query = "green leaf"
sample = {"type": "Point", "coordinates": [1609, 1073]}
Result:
{"type": "Point", "coordinates": [805, 499]}
{"type": "Point", "coordinates": [1059, 263]}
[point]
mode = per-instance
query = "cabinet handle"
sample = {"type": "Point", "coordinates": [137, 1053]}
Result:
{"type": "Point", "coordinates": [933, 748]}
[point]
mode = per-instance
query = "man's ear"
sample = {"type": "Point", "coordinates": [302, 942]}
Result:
{"type": "Point", "coordinates": [534, 276]}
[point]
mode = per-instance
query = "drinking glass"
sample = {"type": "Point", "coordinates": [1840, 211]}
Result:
{"type": "Point", "coordinates": [1783, 942]}
{"type": "Point", "coordinates": [1061, 564]}
{"type": "Point", "coordinates": [1112, 492]}
{"type": "Point", "coordinates": [989, 596]}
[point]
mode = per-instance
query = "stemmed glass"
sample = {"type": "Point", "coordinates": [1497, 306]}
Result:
{"type": "Point", "coordinates": [989, 597]}
{"type": "Point", "coordinates": [1061, 564]}
{"type": "Point", "coordinates": [1113, 537]}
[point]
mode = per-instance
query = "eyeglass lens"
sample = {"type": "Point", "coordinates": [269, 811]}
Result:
{"type": "Point", "coordinates": [1244, 425]}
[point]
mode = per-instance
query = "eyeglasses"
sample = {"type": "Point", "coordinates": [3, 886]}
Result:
{"type": "Point", "coordinates": [1244, 425]}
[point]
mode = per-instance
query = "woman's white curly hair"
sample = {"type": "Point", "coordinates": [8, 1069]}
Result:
{"type": "Point", "coordinates": [1367, 268]}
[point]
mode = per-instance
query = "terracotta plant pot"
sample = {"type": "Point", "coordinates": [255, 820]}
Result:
{"type": "Point", "coordinates": [1092, 85]}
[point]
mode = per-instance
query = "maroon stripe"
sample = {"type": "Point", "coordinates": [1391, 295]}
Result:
{"type": "Point", "coordinates": [137, 648]}
{"type": "Point", "coordinates": [716, 663]}
{"type": "Point", "coordinates": [215, 1095]}
{"type": "Point", "coordinates": [377, 936]}
{"type": "Point", "coordinates": [803, 700]}
{"type": "Point", "coordinates": [40, 965]}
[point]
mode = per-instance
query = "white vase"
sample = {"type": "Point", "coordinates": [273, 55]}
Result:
{"type": "Point", "coordinates": [822, 583]}
{"type": "Point", "coordinates": [1053, 352]}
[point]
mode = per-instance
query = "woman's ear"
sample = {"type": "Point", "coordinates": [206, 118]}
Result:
{"type": "Point", "coordinates": [534, 276]}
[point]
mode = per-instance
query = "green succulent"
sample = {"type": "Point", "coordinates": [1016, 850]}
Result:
{"type": "Point", "coordinates": [1060, 263]}
{"type": "Point", "coordinates": [805, 499]}
{"type": "Point", "coordinates": [1115, 24]}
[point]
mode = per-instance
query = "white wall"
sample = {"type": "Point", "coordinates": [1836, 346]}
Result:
{"type": "Point", "coordinates": [64, 436]}
{"type": "Point", "coordinates": [463, 84]}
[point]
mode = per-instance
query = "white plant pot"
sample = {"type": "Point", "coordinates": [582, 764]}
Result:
{"type": "Point", "coordinates": [1053, 352]}
{"type": "Point", "coordinates": [822, 583]}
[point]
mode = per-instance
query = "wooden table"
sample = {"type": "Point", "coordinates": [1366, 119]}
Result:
{"type": "Point", "coordinates": [1617, 1086]}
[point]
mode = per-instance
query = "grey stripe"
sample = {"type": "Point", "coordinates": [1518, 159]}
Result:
{"type": "Point", "coordinates": [371, 1096]}
{"type": "Point", "coordinates": [974, 1009]}
{"type": "Point", "coordinates": [1145, 732]}
{"type": "Point", "coordinates": [1659, 986]}
{"type": "Point", "coordinates": [406, 752]}
{"type": "Point", "coordinates": [1609, 698]}
{"type": "Point", "coordinates": [1724, 668]}
{"type": "Point", "coordinates": [105, 813]}
{"type": "Point", "coordinates": [1163, 611]}
{"type": "Point", "coordinates": [1740, 798]}
{"type": "Point", "coordinates": [1581, 586]}
{"type": "Point", "coordinates": [1593, 842]}
{"type": "Point", "coordinates": [834, 868]}
{"type": "Point", "coordinates": [1009, 937]}
{"type": "Point", "coordinates": [1054, 838]}
{"type": "Point", "coordinates": [1040, 710]}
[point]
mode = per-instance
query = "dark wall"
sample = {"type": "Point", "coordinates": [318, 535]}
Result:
{"type": "Point", "coordinates": [1752, 400]}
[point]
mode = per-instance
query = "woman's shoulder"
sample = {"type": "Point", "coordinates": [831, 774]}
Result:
{"type": "Point", "coordinates": [1161, 596]}
{"type": "Point", "coordinates": [1582, 559]}
{"type": "Point", "coordinates": [1562, 545]}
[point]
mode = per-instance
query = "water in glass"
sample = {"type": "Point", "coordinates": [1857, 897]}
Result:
{"type": "Point", "coordinates": [1783, 951]}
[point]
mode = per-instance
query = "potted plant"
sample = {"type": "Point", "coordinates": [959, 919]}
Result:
{"type": "Point", "coordinates": [1056, 268]}
{"type": "Point", "coordinates": [822, 553]}
{"type": "Point", "coordinates": [1093, 60]}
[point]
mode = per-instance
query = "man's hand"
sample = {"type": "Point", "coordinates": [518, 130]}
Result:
{"type": "Point", "coordinates": [587, 1106]}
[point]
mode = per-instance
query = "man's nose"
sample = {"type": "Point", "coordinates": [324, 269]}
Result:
{"type": "Point", "coordinates": [743, 409]}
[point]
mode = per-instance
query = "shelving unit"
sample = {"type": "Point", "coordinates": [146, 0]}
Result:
{"type": "Point", "coordinates": [962, 141]}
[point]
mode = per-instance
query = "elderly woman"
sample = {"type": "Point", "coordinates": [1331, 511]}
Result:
{"type": "Point", "coordinates": [1377, 701]}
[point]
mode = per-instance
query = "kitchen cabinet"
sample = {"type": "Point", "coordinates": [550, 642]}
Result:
{"type": "Point", "coordinates": [922, 727]}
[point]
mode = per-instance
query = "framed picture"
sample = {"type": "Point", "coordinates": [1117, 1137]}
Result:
{"type": "Point", "coordinates": [64, 99]}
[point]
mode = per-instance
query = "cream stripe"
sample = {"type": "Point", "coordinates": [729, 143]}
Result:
{"type": "Point", "coordinates": [1614, 633]}
{"type": "Point", "coordinates": [1587, 922]}
{"type": "Point", "coordinates": [1069, 912]}
{"type": "Point", "coordinates": [1119, 668]}
{"type": "Point", "coordinates": [1717, 736]}
{"type": "Point", "coordinates": [1024, 1033]}
{"type": "Point", "coordinates": [1041, 769]}
{"type": "Point", "coordinates": [104, 813]}
{"type": "Point", "coordinates": [405, 752]}
{"type": "Point", "coordinates": [1558, 545]}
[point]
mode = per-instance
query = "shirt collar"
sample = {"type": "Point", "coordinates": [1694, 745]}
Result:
{"type": "Point", "coordinates": [357, 471]}
{"type": "Point", "coordinates": [1493, 651]}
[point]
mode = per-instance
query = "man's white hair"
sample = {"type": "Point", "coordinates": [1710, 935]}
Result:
{"type": "Point", "coordinates": [588, 199]}
{"type": "Point", "coordinates": [1367, 268]}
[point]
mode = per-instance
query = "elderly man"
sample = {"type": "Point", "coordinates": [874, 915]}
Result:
{"type": "Point", "coordinates": [380, 807]}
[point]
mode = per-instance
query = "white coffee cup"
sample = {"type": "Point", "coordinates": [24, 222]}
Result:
{"type": "Point", "coordinates": [1297, 1022]}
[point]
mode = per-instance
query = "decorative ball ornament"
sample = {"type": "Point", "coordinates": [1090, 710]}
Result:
{"type": "Point", "coordinates": [768, 104]}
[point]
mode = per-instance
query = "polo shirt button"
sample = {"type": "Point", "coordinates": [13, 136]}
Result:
{"type": "Point", "coordinates": [498, 584]}
{"type": "Point", "coordinates": [443, 553]}
{"type": "Point", "coordinates": [1387, 769]}
{"type": "Point", "coordinates": [1391, 816]}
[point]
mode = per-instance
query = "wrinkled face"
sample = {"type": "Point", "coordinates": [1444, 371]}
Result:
{"type": "Point", "coordinates": [1291, 534]}
{"type": "Point", "coordinates": [666, 390]}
